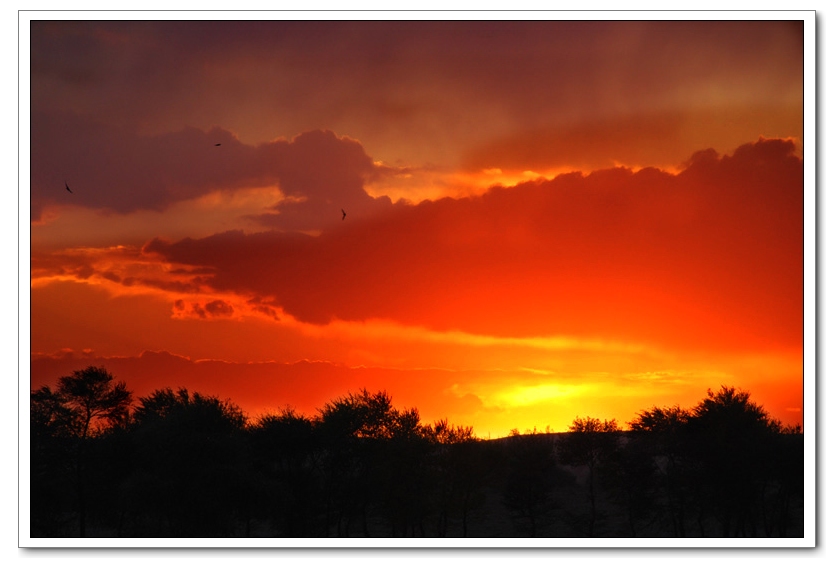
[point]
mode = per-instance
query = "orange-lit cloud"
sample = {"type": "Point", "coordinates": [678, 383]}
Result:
{"type": "Point", "coordinates": [614, 254]}
{"type": "Point", "coordinates": [646, 254]}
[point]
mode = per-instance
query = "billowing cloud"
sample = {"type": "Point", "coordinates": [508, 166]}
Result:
{"type": "Point", "coordinates": [322, 175]}
{"type": "Point", "coordinates": [114, 169]}
{"type": "Point", "coordinates": [643, 254]}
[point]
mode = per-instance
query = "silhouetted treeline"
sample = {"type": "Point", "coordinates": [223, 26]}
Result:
{"type": "Point", "coordinates": [181, 464]}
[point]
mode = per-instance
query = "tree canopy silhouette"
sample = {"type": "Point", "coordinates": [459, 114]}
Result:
{"type": "Point", "coordinates": [93, 394]}
{"type": "Point", "coordinates": [589, 442]}
{"type": "Point", "coordinates": [191, 475]}
{"type": "Point", "coordinates": [187, 464]}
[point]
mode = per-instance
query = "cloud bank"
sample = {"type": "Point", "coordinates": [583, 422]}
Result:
{"type": "Point", "coordinates": [615, 252]}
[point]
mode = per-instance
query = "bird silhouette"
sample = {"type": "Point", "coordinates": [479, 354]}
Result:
{"type": "Point", "coordinates": [218, 144]}
{"type": "Point", "coordinates": [67, 186]}
{"type": "Point", "coordinates": [343, 214]}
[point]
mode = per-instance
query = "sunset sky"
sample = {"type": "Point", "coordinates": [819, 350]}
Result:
{"type": "Point", "coordinates": [544, 219]}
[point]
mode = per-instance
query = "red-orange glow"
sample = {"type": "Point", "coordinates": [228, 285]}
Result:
{"type": "Point", "coordinates": [603, 219]}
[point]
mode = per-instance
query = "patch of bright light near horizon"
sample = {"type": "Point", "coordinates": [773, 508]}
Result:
{"type": "Point", "coordinates": [537, 394]}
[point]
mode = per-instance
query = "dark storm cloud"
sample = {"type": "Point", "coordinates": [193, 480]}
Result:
{"type": "Point", "coordinates": [115, 170]}
{"type": "Point", "coordinates": [324, 174]}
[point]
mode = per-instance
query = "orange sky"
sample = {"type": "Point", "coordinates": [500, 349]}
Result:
{"type": "Point", "coordinates": [544, 219]}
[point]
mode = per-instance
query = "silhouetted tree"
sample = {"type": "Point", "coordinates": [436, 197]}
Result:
{"type": "Point", "coordinates": [191, 477]}
{"type": "Point", "coordinates": [402, 462]}
{"type": "Point", "coordinates": [50, 416]}
{"type": "Point", "coordinates": [93, 395]}
{"type": "Point", "coordinates": [350, 428]}
{"type": "Point", "coordinates": [188, 465]}
{"type": "Point", "coordinates": [460, 469]}
{"type": "Point", "coordinates": [785, 482]}
{"type": "Point", "coordinates": [730, 437]}
{"type": "Point", "coordinates": [661, 432]}
{"type": "Point", "coordinates": [629, 478]}
{"type": "Point", "coordinates": [374, 460]}
{"type": "Point", "coordinates": [286, 450]}
{"type": "Point", "coordinates": [532, 477]}
{"type": "Point", "coordinates": [53, 426]}
{"type": "Point", "coordinates": [85, 403]}
{"type": "Point", "coordinates": [588, 442]}
{"type": "Point", "coordinates": [110, 459]}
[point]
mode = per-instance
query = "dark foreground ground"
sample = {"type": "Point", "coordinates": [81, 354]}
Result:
{"type": "Point", "coordinates": [514, 487]}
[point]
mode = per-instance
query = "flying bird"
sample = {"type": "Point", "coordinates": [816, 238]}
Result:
{"type": "Point", "coordinates": [218, 144]}
{"type": "Point", "coordinates": [67, 186]}
{"type": "Point", "coordinates": [343, 214]}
